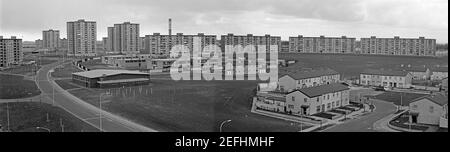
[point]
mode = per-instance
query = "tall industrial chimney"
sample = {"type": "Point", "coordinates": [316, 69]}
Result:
{"type": "Point", "coordinates": [170, 27]}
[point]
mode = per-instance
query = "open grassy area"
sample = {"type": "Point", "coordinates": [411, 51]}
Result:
{"type": "Point", "coordinates": [197, 106]}
{"type": "Point", "coordinates": [65, 71]}
{"type": "Point", "coordinates": [15, 87]}
{"type": "Point", "coordinates": [26, 116]}
{"type": "Point", "coordinates": [398, 98]}
{"type": "Point", "coordinates": [350, 66]}
{"type": "Point", "coordinates": [66, 84]}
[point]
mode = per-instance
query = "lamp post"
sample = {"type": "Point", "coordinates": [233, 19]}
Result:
{"type": "Point", "coordinates": [101, 111]}
{"type": "Point", "coordinates": [223, 123]}
{"type": "Point", "coordinates": [42, 128]}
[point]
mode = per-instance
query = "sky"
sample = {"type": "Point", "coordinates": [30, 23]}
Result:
{"type": "Point", "coordinates": [353, 18]}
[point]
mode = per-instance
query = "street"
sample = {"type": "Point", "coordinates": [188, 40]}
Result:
{"type": "Point", "coordinates": [82, 110]}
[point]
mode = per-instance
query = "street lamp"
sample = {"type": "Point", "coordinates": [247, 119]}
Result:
{"type": "Point", "coordinates": [42, 128]}
{"type": "Point", "coordinates": [100, 102]}
{"type": "Point", "coordinates": [223, 123]}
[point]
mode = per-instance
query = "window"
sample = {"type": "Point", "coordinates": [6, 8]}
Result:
{"type": "Point", "coordinates": [431, 109]}
{"type": "Point", "coordinates": [306, 100]}
{"type": "Point", "coordinates": [329, 106]}
{"type": "Point", "coordinates": [415, 107]}
{"type": "Point", "coordinates": [293, 99]}
{"type": "Point", "coordinates": [318, 108]}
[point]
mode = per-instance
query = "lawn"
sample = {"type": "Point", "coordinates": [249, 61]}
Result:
{"type": "Point", "coordinates": [66, 84]}
{"type": "Point", "coordinates": [193, 106]}
{"type": "Point", "coordinates": [65, 71]}
{"type": "Point", "coordinates": [403, 122]}
{"type": "Point", "coordinates": [350, 66]}
{"type": "Point", "coordinates": [15, 87]}
{"type": "Point", "coordinates": [26, 116]}
{"type": "Point", "coordinates": [397, 98]}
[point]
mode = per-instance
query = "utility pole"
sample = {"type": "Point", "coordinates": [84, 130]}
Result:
{"type": "Point", "coordinates": [7, 114]}
{"type": "Point", "coordinates": [61, 124]}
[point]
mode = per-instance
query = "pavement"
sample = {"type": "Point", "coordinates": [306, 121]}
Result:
{"type": "Point", "coordinates": [90, 114]}
{"type": "Point", "coordinates": [368, 123]}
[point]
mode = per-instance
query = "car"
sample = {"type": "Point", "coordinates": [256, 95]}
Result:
{"type": "Point", "coordinates": [379, 88]}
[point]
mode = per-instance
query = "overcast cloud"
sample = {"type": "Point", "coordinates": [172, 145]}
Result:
{"type": "Point", "coordinates": [354, 18]}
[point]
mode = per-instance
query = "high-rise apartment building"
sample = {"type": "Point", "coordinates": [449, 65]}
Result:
{"type": "Point", "coordinates": [50, 39]}
{"type": "Point", "coordinates": [10, 51]}
{"type": "Point", "coordinates": [398, 46]}
{"type": "Point", "coordinates": [123, 38]}
{"type": "Point", "coordinates": [322, 44]}
{"type": "Point", "coordinates": [162, 44]}
{"type": "Point", "coordinates": [82, 38]}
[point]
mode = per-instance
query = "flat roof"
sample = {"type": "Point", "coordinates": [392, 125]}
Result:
{"type": "Point", "coordinates": [101, 73]}
{"type": "Point", "coordinates": [123, 81]}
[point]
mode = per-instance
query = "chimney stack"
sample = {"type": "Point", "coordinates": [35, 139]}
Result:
{"type": "Point", "coordinates": [170, 27]}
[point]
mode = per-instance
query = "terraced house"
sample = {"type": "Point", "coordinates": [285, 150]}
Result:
{"type": "Point", "coordinates": [386, 78]}
{"type": "Point", "coordinates": [307, 78]}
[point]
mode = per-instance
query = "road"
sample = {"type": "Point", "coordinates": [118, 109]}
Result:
{"type": "Point", "coordinates": [80, 109]}
{"type": "Point", "coordinates": [366, 123]}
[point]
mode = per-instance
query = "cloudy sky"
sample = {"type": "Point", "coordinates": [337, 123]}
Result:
{"type": "Point", "coordinates": [354, 18]}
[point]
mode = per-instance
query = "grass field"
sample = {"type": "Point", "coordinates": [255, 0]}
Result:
{"type": "Point", "coordinates": [65, 71]}
{"type": "Point", "coordinates": [26, 116]}
{"type": "Point", "coordinates": [196, 106]}
{"type": "Point", "coordinates": [15, 87]}
{"type": "Point", "coordinates": [350, 66]}
{"type": "Point", "coordinates": [398, 98]}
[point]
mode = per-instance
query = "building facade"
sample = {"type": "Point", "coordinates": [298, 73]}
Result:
{"type": "Point", "coordinates": [306, 101]}
{"type": "Point", "coordinates": [158, 44]}
{"type": "Point", "coordinates": [110, 78]}
{"type": "Point", "coordinates": [130, 61]}
{"type": "Point", "coordinates": [386, 78]}
{"type": "Point", "coordinates": [398, 46]}
{"type": "Point", "coordinates": [51, 39]}
{"type": "Point", "coordinates": [307, 78]}
{"type": "Point", "coordinates": [82, 38]}
{"type": "Point", "coordinates": [430, 110]}
{"type": "Point", "coordinates": [244, 40]}
{"type": "Point", "coordinates": [322, 44]}
{"type": "Point", "coordinates": [439, 73]}
{"type": "Point", "coordinates": [10, 51]}
{"type": "Point", "coordinates": [124, 38]}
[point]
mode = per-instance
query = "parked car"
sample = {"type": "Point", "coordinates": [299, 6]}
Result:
{"type": "Point", "coordinates": [379, 88]}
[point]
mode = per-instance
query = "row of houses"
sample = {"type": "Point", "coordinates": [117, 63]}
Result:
{"type": "Point", "coordinates": [426, 73]}
{"type": "Point", "coordinates": [304, 93]}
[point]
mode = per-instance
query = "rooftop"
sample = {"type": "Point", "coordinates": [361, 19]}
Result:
{"type": "Point", "coordinates": [438, 98]}
{"type": "Point", "coordinates": [101, 73]}
{"type": "Point", "coordinates": [382, 72]}
{"type": "Point", "coordinates": [311, 73]}
{"type": "Point", "coordinates": [323, 89]}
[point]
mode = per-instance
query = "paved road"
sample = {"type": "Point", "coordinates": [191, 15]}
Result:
{"type": "Point", "coordinates": [366, 123]}
{"type": "Point", "coordinates": [81, 109]}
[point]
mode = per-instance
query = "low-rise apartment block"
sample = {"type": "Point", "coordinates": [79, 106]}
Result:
{"type": "Point", "coordinates": [158, 44]}
{"type": "Point", "coordinates": [322, 44]}
{"type": "Point", "coordinates": [268, 41]}
{"type": "Point", "coordinates": [439, 73]}
{"type": "Point", "coordinates": [398, 46]}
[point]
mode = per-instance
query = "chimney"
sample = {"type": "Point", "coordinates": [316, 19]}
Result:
{"type": "Point", "coordinates": [170, 27]}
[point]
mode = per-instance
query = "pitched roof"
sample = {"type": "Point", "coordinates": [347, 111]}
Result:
{"type": "Point", "coordinates": [101, 73]}
{"type": "Point", "coordinates": [323, 89]}
{"type": "Point", "coordinates": [306, 74]}
{"type": "Point", "coordinates": [439, 99]}
{"type": "Point", "coordinates": [439, 69]}
{"type": "Point", "coordinates": [413, 69]}
{"type": "Point", "coordinates": [383, 72]}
